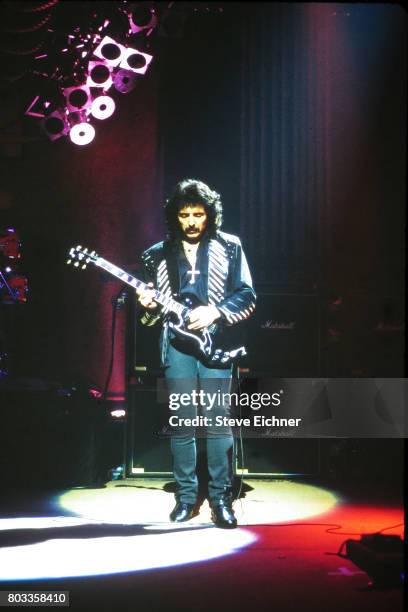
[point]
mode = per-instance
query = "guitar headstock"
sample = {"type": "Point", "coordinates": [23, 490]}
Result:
{"type": "Point", "coordinates": [80, 257]}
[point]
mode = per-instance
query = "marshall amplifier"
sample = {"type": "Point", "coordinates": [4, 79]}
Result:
{"type": "Point", "coordinates": [148, 443]}
{"type": "Point", "coordinates": [283, 336]}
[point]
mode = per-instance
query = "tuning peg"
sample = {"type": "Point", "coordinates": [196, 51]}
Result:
{"type": "Point", "coordinates": [76, 264]}
{"type": "Point", "coordinates": [69, 261]}
{"type": "Point", "coordinates": [83, 266]}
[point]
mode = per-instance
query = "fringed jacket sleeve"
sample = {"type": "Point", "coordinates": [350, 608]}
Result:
{"type": "Point", "coordinates": [240, 299]}
{"type": "Point", "coordinates": [148, 275]}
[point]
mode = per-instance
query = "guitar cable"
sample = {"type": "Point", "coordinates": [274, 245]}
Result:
{"type": "Point", "coordinates": [241, 442]}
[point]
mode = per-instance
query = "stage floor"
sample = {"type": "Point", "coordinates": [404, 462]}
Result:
{"type": "Point", "coordinates": [114, 548]}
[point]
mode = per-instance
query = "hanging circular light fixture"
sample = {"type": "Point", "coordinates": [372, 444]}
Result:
{"type": "Point", "coordinates": [135, 60]}
{"type": "Point", "coordinates": [55, 125]}
{"type": "Point", "coordinates": [125, 80]}
{"type": "Point", "coordinates": [78, 98]}
{"type": "Point", "coordinates": [99, 75]}
{"type": "Point", "coordinates": [142, 18]}
{"type": "Point", "coordinates": [82, 133]}
{"type": "Point", "coordinates": [103, 107]}
{"type": "Point", "coordinates": [110, 51]}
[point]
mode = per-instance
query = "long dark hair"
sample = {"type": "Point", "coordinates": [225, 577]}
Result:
{"type": "Point", "coordinates": [191, 191]}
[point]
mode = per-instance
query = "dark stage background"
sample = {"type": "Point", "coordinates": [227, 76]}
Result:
{"type": "Point", "coordinates": [296, 114]}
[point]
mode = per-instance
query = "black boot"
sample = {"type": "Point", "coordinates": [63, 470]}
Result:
{"type": "Point", "coordinates": [182, 512]}
{"type": "Point", "coordinates": [222, 513]}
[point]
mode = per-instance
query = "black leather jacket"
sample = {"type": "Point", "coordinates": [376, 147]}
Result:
{"type": "Point", "coordinates": [229, 285]}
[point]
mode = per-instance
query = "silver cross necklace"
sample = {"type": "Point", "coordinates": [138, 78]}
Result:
{"type": "Point", "coordinates": [191, 253]}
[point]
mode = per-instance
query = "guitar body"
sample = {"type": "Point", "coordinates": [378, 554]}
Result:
{"type": "Point", "coordinates": [203, 344]}
{"type": "Point", "coordinates": [198, 343]}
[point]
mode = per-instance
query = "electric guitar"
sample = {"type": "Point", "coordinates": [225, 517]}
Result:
{"type": "Point", "coordinates": [177, 312]}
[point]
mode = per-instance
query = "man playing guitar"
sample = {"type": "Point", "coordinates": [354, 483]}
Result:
{"type": "Point", "coordinates": [207, 268]}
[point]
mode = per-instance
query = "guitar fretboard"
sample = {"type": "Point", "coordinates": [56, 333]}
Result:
{"type": "Point", "coordinates": [168, 302]}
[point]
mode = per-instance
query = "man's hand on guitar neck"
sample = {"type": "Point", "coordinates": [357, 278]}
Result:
{"type": "Point", "coordinates": [203, 316]}
{"type": "Point", "coordinates": [145, 297]}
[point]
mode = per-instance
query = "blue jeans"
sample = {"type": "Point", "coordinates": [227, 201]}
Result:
{"type": "Point", "coordinates": [184, 374]}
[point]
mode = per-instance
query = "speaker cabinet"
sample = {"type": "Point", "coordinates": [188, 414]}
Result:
{"type": "Point", "coordinates": [278, 457]}
{"type": "Point", "coordinates": [365, 336]}
{"type": "Point", "coordinates": [148, 448]}
{"type": "Point", "coordinates": [282, 336]}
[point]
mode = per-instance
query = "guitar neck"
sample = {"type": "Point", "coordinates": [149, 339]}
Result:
{"type": "Point", "coordinates": [162, 299]}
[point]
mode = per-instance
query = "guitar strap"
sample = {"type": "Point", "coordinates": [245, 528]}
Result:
{"type": "Point", "coordinates": [170, 255]}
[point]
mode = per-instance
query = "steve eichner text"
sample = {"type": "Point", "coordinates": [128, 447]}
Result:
{"type": "Point", "coordinates": [209, 400]}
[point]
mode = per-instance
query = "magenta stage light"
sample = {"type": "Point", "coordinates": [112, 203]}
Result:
{"type": "Point", "coordinates": [99, 75]}
{"type": "Point", "coordinates": [110, 51]}
{"type": "Point", "coordinates": [125, 80]}
{"type": "Point", "coordinates": [55, 125]}
{"type": "Point", "coordinates": [142, 18]}
{"type": "Point", "coordinates": [82, 133]}
{"type": "Point", "coordinates": [135, 60]}
{"type": "Point", "coordinates": [77, 98]}
{"type": "Point", "coordinates": [103, 107]}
